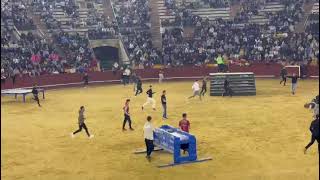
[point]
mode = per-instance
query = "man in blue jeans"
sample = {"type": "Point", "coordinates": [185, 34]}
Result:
{"type": "Point", "coordinates": [164, 104]}
{"type": "Point", "coordinates": [294, 82]}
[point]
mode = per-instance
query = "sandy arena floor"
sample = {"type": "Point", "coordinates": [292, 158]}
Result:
{"type": "Point", "coordinates": [250, 138]}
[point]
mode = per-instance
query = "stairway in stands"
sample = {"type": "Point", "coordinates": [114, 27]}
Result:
{"type": "Point", "coordinates": [41, 27]}
{"type": "Point", "coordinates": [307, 8]}
{"type": "Point", "coordinates": [43, 30]}
{"type": "Point", "coordinates": [155, 25]}
{"type": "Point", "coordinates": [234, 9]}
{"type": "Point", "coordinates": [108, 12]}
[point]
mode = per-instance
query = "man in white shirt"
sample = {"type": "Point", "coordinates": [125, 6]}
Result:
{"type": "Point", "coordinates": [148, 137]}
{"type": "Point", "coordinates": [196, 89]}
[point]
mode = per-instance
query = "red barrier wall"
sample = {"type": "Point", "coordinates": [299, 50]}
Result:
{"type": "Point", "coordinates": [56, 79]}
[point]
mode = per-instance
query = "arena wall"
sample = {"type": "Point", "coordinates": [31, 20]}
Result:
{"type": "Point", "coordinates": [182, 73]}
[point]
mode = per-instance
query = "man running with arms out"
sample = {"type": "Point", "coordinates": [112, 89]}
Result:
{"type": "Point", "coordinates": [283, 74]}
{"type": "Point", "coordinates": [204, 86]}
{"type": "Point", "coordinates": [35, 93]}
{"type": "Point", "coordinates": [81, 123]}
{"type": "Point", "coordinates": [196, 89]}
{"type": "Point", "coordinates": [314, 128]}
{"type": "Point", "coordinates": [184, 125]}
{"type": "Point", "coordinates": [150, 99]}
{"type": "Point", "coordinates": [126, 116]}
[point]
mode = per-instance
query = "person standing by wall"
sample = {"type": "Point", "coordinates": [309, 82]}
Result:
{"type": "Point", "coordinates": [161, 76]}
{"type": "Point", "coordinates": [148, 137]}
{"type": "Point", "coordinates": [220, 63]}
{"type": "Point", "coordinates": [85, 80]}
{"type": "Point", "coordinates": [164, 104]}
{"type": "Point", "coordinates": [134, 79]}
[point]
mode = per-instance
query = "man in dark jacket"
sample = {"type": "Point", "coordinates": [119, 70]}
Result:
{"type": "Point", "coordinates": [227, 89]}
{"type": "Point", "coordinates": [283, 74]}
{"type": "Point", "coordinates": [314, 128]}
{"type": "Point", "coordinates": [139, 86]}
{"type": "Point", "coordinates": [35, 93]}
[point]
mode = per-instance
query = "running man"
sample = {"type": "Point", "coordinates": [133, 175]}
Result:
{"type": "Point", "coordinates": [314, 128]}
{"type": "Point", "coordinates": [139, 86]}
{"type": "Point", "coordinates": [196, 89]}
{"type": "Point", "coordinates": [81, 123]}
{"type": "Point", "coordinates": [35, 93]}
{"type": "Point", "coordinates": [126, 116]}
{"type": "Point", "coordinates": [204, 86]}
{"type": "Point", "coordinates": [164, 104]}
{"type": "Point", "coordinates": [294, 82]}
{"type": "Point", "coordinates": [184, 125]}
{"type": "Point", "coordinates": [283, 74]}
{"type": "Point", "coordinates": [150, 99]}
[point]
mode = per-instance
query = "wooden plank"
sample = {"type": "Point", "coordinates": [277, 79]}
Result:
{"type": "Point", "coordinates": [140, 151]}
{"type": "Point", "coordinates": [185, 162]}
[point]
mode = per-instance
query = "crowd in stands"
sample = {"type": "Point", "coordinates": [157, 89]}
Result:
{"type": "Point", "coordinates": [16, 12]}
{"type": "Point", "coordinates": [251, 42]}
{"type": "Point", "coordinates": [133, 13]}
{"type": "Point", "coordinates": [313, 24]}
{"type": "Point", "coordinates": [77, 51]}
{"type": "Point", "coordinates": [31, 55]}
{"type": "Point", "coordinates": [99, 26]}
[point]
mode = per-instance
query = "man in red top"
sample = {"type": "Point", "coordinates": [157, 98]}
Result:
{"type": "Point", "coordinates": [184, 125]}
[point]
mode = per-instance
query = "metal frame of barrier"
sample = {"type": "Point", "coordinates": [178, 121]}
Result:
{"type": "Point", "coordinates": [170, 139]}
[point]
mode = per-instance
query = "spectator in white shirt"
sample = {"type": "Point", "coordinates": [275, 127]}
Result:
{"type": "Point", "coordinates": [148, 137]}
{"type": "Point", "coordinates": [196, 89]}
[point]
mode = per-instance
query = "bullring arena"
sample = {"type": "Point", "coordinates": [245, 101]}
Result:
{"type": "Point", "coordinates": [248, 137]}
{"type": "Point", "coordinates": [229, 90]}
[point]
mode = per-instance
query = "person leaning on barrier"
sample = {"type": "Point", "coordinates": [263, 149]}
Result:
{"type": "Point", "coordinates": [148, 137]}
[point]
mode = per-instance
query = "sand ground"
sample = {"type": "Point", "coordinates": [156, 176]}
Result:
{"type": "Point", "coordinates": [250, 138]}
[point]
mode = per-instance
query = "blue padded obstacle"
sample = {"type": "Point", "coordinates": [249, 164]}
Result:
{"type": "Point", "coordinates": [170, 139]}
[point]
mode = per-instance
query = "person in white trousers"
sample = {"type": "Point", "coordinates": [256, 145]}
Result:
{"type": "Point", "coordinates": [150, 99]}
{"type": "Point", "coordinates": [161, 76]}
{"type": "Point", "coordinates": [196, 90]}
